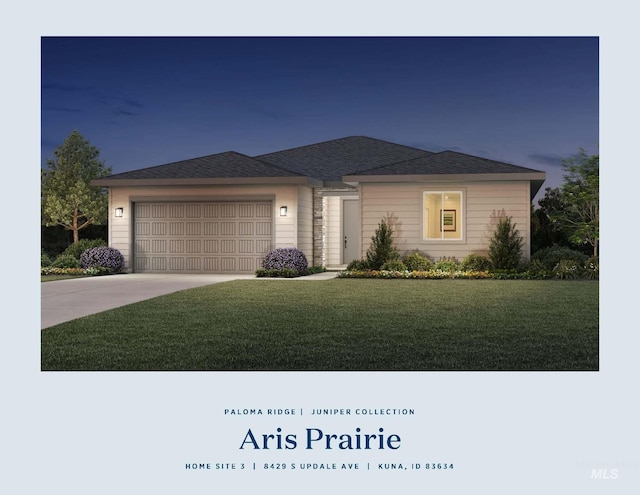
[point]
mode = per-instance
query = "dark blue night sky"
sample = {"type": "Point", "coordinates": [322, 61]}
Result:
{"type": "Point", "coordinates": [149, 101]}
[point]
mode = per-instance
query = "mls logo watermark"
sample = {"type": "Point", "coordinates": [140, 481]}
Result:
{"type": "Point", "coordinates": [604, 474]}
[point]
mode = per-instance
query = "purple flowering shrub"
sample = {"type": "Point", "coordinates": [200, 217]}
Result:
{"type": "Point", "coordinates": [102, 256]}
{"type": "Point", "coordinates": [289, 258]}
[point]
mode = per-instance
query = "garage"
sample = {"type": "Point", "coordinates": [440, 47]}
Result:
{"type": "Point", "coordinates": [201, 237]}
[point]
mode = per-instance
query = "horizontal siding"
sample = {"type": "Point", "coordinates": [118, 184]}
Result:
{"type": "Point", "coordinates": [402, 205]}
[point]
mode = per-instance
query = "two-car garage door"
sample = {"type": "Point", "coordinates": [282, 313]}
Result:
{"type": "Point", "coordinates": [202, 237]}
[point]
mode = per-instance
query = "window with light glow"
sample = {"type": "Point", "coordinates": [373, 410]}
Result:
{"type": "Point", "coordinates": [442, 215]}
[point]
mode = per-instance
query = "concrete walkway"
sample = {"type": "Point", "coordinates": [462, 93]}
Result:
{"type": "Point", "coordinates": [66, 300]}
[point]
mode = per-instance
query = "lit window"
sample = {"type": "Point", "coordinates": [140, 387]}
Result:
{"type": "Point", "coordinates": [442, 211]}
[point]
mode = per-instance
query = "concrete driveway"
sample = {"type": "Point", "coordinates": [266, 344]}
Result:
{"type": "Point", "coordinates": [66, 300]}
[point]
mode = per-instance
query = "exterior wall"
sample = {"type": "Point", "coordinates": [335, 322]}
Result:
{"type": "Point", "coordinates": [401, 204]}
{"type": "Point", "coordinates": [290, 231]}
{"type": "Point", "coordinates": [305, 222]}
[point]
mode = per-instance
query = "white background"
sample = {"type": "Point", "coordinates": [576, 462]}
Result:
{"type": "Point", "coordinates": [132, 433]}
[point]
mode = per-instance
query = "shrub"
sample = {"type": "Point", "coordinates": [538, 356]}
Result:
{"type": "Point", "coordinates": [475, 262]}
{"type": "Point", "coordinates": [82, 245]}
{"type": "Point", "coordinates": [394, 265]}
{"type": "Point", "coordinates": [552, 255]}
{"type": "Point", "coordinates": [415, 275]}
{"type": "Point", "coordinates": [50, 270]}
{"type": "Point", "coordinates": [280, 258]}
{"type": "Point", "coordinates": [381, 248]}
{"type": "Point", "coordinates": [104, 256]}
{"type": "Point", "coordinates": [446, 265]}
{"type": "Point", "coordinates": [44, 260]}
{"type": "Point", "coordinates": [592, 268]}
{"type": "Point", "coordinates": [505, 246]}
{"type": "Point", "coordinates": [65, 261]}
{"type": "Point", "coordinates": [566, 269]}
{"type": "Point", "coordinates": [97, 270]}
{"type": "Point", "coordinates": [316, 269]}
{"type": "Point", "coordinates": [535, 268]}
{"type": "Point", "coordinates": [415, 262]}
{"type": "Point", "coordinates": [358, 265]}
{"type": "Point", "coordinates": [277, 272]}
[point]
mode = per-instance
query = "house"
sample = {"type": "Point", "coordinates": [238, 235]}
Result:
{"type": "Point", "coordinates": [223, 212]}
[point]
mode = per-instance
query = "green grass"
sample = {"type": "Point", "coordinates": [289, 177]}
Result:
{"type": "Point", "coordinates": [341, 324]}
{"type": "Point", "coordinates": [51, 278]}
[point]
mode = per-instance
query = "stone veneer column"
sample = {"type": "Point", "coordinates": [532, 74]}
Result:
{"type": "Point", "coordinates": [319, 258]}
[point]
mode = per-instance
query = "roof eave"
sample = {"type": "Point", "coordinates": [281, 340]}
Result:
{"type": "Point", "coordinates": [530, 176]}
{"type": "Point", "coordinates": [337, 184]}
{"type": "Point", "coordinates": [535, 186]}
{"type": "Point", "coordinates": [226, 181]}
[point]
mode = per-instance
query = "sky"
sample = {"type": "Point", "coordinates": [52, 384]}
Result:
{"type": "Point", "coordinates": [145, 101]}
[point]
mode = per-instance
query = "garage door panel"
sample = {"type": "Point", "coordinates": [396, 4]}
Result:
{"type": "Point", "coordinates": [211, 246]}
{"type": "Point", "coordinates": [211, 228]}
{"type": "Point", "coordinates": [193, 211]}
{"type": "Point", "coordinates": [227, 228]}
{"type": "Point", "coordinates": [227, 246]}
{"type": "Point", "coordinates": [264, 210]}
{"type": "Point", "coordinates": [211, 264]}
{"type": "Point", "coordinates": [193, 246]}
{"type": "Point", "coordinates": [263, 246]}
{"type": "Point", "coordinates": [246, 228]}
{"type": "Point", "coordinates": [202, 236]}
{"type": "Point", "coordinates": [142, 228]}
{"type": "Point", "coordinates": [263, 228]}
{"type": "Point", "coordinates": [158, 228]}
{"type": "Point", "coordinates": [193, 264]}
{"type": "Point", "coordinates": [176, 228]}
{"type": "Point", "coordinates": [246, 246]}
{"type": "Point", "coordinates": [159, 211]}
{"type": "Point", "coordinates": [245, 264]}
{"type": "Point", "coordinates": [228, 211]}
{"type": "Point", "coordinates": [176, 246]}
{"type": "Point", "coordinates": [176, 211]}
{"type": "Point", "coordinates": [159, 246]}
{"type": "Point", "coordinates": [228, 264]}
{"type": "Point", "coordinates": [143, 211]}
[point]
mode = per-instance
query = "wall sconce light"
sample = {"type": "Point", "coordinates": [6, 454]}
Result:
{"type": "Point", "coordinates": [119, 212]}
{"type": "Point", "coordinates": [283, 211]}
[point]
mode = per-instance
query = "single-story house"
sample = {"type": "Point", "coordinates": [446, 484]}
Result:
{"type": "Point", "coordinates": [223, 212]}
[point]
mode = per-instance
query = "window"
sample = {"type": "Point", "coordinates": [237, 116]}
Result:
{"type": "Point", "coordinates": [442, 215]}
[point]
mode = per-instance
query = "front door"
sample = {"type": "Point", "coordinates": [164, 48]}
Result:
{"type": "Point", "coordinates": [350, 231]}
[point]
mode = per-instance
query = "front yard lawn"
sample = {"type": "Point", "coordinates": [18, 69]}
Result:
{"type": "Point", "coordinates": [341, 325]}
{"type": "Point", "coordinates": [51, 278]}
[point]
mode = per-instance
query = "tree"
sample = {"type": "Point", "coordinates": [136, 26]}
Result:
{"type": "Point", "coordinates": [505, 247]}
{"type": "Point", "coordinates": [544, 232]}
{"type": "Point", "coordinates": [381, 249]}
{"type": "Point", "coordinates": [578, 212]}
{"type": "Point", "coordinates": [67, 198]}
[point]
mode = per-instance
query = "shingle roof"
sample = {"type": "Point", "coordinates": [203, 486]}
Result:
{"type": "Point", "coordinates": [331, 160]}
{"type": "Point", "coordinates": [222, 165]}
{"type": "Point", "coordinates": [445, 162]}
{"type": "Point", "coordinates": [328, 161]}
